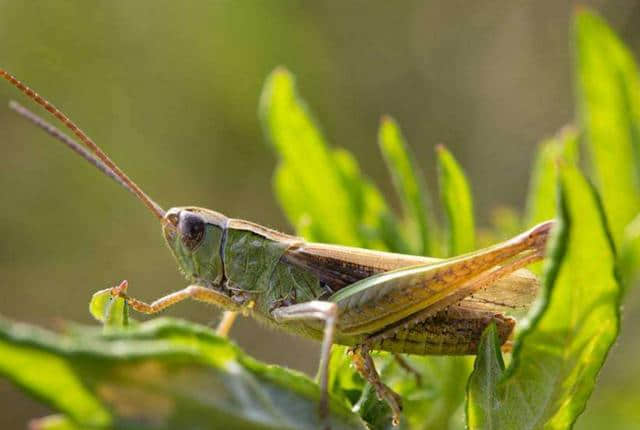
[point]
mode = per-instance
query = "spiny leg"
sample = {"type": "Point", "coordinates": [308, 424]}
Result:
{"type": "Point", "coordinates": [195, 292]}
{"type": "Point", "coordinates": [317, 310]}
{"type": "Point", "coordinates": [225, 324]}
{"type": "Point", "coordinates": [366, 367]}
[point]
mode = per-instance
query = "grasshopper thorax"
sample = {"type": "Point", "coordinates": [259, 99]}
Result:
{"type": "Point", "coordinates": [196, 237]}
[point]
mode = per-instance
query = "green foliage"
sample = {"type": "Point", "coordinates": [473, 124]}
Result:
{"type": "Point", "coordinates": [433, 403]}
{"type": "Point", "coordinates": [334, 203]}
{"type": "Point", "coordinates": [556, 361]}
{"type": "Point", "coordinates": [541, 203]}
{"type": "Point", "coordinates": [110, 311]}
{"type": "Point", "coordinates": [458, 204]}
{"type": "Point", "coordinates": [409, 184]}
{"type": "Point", "coordinates": [608, 93]}
{"type": "Point", "coordinates": [171, 374]}
{"type": "Point", "coordinates": [165, 374]}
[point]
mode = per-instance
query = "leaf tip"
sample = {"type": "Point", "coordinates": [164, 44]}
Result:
{"type": "Point", "coordinates": [386, 119]}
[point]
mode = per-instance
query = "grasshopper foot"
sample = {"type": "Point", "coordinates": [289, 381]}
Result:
{"type": "Point", "coordinates": [120, 290]}
{"type": "Point", "coordinates": [365, 366]}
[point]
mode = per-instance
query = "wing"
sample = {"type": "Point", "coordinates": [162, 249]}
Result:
{"type": "Point", "coordinates": [402, 295]}
{"type": "Point", "coordinates": [340, 266]}
{"type": "Point", "coordinates": [513, 293]}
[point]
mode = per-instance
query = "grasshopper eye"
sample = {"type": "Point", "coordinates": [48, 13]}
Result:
{"type": "Point", "coordinates": [191, 230]}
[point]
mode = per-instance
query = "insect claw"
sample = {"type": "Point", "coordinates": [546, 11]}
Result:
{"type": "Point", "coordinates": [120, 289]}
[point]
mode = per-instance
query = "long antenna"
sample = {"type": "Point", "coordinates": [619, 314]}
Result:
{"type": "Point", "coordinates": [54, 132]}
{"type": "Point", "coordinates": [106, 162]}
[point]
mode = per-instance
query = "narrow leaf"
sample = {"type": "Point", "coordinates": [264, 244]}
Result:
{"type": "Point", "coordinates": [630, 254]}
{"type": "Point", "coordinates": [458, 204]}
{"type": "Point", "coordinates": [320, 188]}
{"type": "Point", "coordinates": [487, 373]}
{"type": "Point", "coordinates": [303, 149]}
{"type": "Point", "coordinates": [558, 357]}
{"type": "Point", "coordinates": [541, 201]}
{"type": "Point", "coordinates": [408, 182]}
{"type": "Point", "coordinates": [609, 100]}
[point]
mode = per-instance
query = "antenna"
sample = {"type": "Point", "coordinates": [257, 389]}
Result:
{"type": "Point", "coordinates": [96, 156]}
{"type": "Point", "coordinates": [51, 130]}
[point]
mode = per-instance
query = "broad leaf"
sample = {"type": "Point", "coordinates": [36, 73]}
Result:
{"type": "Point", "coordinates": [163, 374]}
{"type": "Point", "coordinates": [558, 357]}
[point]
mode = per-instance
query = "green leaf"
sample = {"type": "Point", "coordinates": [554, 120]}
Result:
{"type": "Point", "coordinates": [321, 189]}
{"type": "Point", "coordinates": [482, 401]}
{"type": "Point", "coordinates": [608, 87]}
{"type": "Point", "coordinates": [377, 227]}
{"type": "Point", "coordinates": [109, 310]}
{"type": "Point", "coordinates": [455, 195]}
{"type": "Point", "coordinates": [432, 402]}
{"type": "Point", "coordinates": [541, 201]}
{"type": "Point", "coordinates": [163, 374]}
{"type": "Point", "coordinates": [409, 184]}
{"type": "Point", "coordinates": [309, 162]}
{"type": "Point", "coordinates": [630, 254]}
{"type": "Point", "coordinates": [558, 357]}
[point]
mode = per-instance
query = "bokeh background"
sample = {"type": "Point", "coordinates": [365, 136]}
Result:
{"type": "Point", "coordinates": [171, 89]}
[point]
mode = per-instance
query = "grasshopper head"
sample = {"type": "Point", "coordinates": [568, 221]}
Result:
{"type": "Point", "coordinates": [194, 235]}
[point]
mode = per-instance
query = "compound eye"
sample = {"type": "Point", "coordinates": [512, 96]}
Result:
{"type": "Point", "coordinates": [191, 230]}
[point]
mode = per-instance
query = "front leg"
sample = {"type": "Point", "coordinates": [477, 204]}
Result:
{"type": "Point", "coordinates": [315, 310]}
{"type": "Point", "coordinates": [194, 292]}
{"type": "Point", "coordinates": [225, 324]}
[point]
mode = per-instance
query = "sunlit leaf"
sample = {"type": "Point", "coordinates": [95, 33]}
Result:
{"type": "Point", "coordinates": [409, 184]}
{"type": "Point", "coordinates": [109, 310]}
{"type": "Point", "coordinates": [558, 357]}
{"type": "Point", "coordinates": [163, 374]}
{"type": "Point", "coordinates": [609, 101]}
{"type": "Point", "coordinates": [630, 254]}
{"type": "Point", "coordinates": [320, 188]}
{"type": "Point", "coordinates": [377, 227]}
{"type": "Point", "coordinates": [541, 200]}
{"type": "Point", "coordinates": [301, 146]}
{"type": "Point", "coordinates": [483, 400]}
{"type": "Point", "coordinates": [455, 195]}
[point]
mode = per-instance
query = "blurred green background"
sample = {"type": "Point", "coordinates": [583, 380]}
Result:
{"type": "Point", "coordinates": [171, 91]}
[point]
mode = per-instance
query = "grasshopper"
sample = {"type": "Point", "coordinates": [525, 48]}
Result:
{"type": "Point", "coordinates": [364, 299]}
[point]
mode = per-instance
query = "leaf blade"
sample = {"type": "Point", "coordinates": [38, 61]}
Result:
{"type": "Point", "coordinates": [557, 358]}
{"type": "Point", "coordinates": [609, 105]}
{"type": "Point", "coordinates": [455, 194]}
{"type": "Point", "coordinates": [541, 199]}
{"type": "Point", "coordinates": [408, 182]}
{"type": "Point", "coordinates": [163, 374]}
